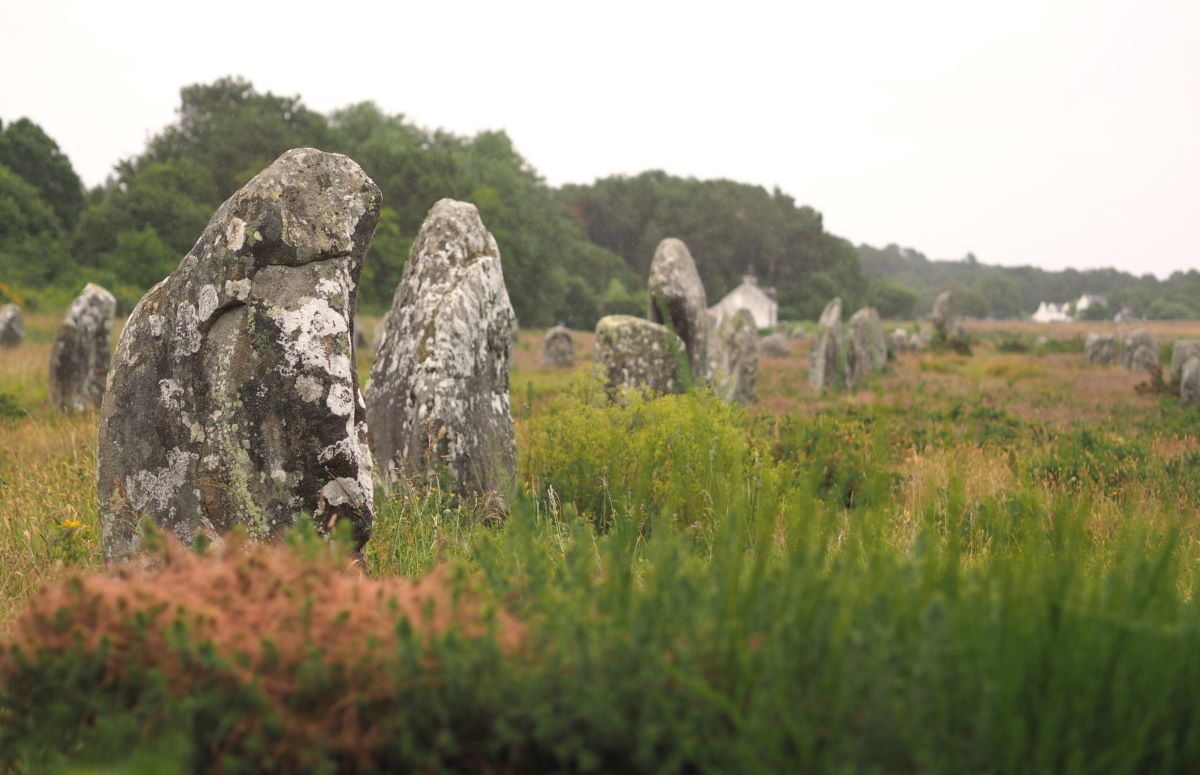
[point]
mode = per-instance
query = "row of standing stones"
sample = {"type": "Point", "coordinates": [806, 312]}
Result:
{"type": "Point", "coordinates": [1139, 351]}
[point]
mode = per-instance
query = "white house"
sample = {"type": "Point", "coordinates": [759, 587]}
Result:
{"type": "Point", "coordinates": [759, 301]}
{"type": "Point", "coordinates": [1061, 313]}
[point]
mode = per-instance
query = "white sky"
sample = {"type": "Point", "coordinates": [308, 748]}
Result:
{"type": "Point", "coordinates": [1049, 132]}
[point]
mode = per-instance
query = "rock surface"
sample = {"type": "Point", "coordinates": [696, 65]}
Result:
{"type": "Point", "coordinates": [558, 348]}
{"type": "Point", "coordinates": [868, 348]}
{"type": "Point", "coordinates": [1099, 348]}
{"type": "Point", "coordinates": [774, 345]}
{"type": "Point", "coordinates": [635, 353]}
{"type": "Point", "coordinates": [826, 349]}
{"type": "Point", "coordinates": [79, 360]}
{"type": "Point", "coordinates": [676, 290]}
{"type": "Point", "coordinates": [733, 358]}
{"type": "Point", "coordinates": [899, 341]}
{"type": "Point", "coordinates": [438, 397]}
{"type": "Point", "coordinates": [1145, 359]}
{"type": "Point", "coordinates": [943, 315]}
{"type": "Point", "coordinates": [12, 326]}
{"type": "Point", "coordinates": [1181, 351]}
{"type": "Point", "coordinates": [1189, 381]}
{"type": "Point", "coordinates": [1130, 344]}
{"type": "Point", "coordinates": [232, 398]}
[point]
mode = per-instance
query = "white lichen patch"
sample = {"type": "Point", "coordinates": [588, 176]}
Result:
{"type": "Point", "coordinates": [309, 388]}
{"type": "Point", "coordinates": [170, 394]}
{"type": "Point", "coordinates": [235, 234]}
{"type": "Point", "coordinates": [238, 289]}
{"type": "Point", "coordinates": [159, 487]}
{"type": "Point", "coordinates": [305, 330]}
{"type": "Point", "coordinates": [187, 331]}
{"type": "Point", "coordinates": [340, 400]}
{"type": "Point", "coordinates": [155, 322]}
{"type": "Point", "coordinates": [207, 303]}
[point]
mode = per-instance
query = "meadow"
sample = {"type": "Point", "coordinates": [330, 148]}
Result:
{"type": "Point", "coordinates": [980, 562]}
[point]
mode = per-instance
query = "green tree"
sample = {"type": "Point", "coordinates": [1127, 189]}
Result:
{"type": "Point", "coordinates": [891, 299]}
{"type": "Point", "coordinates": [31, 154]}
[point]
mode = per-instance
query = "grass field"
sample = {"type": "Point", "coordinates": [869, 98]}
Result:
{"type": "Point", "coordinates": [969, 563]}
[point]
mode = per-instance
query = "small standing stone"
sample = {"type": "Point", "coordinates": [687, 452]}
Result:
{"type": "Point", "coordinates": [733, 358]}
{"type": "Point", "coordinates": [868, 348]}
{"type": "Point", "coordinates": [12, 326]}
{"type": "Point", "coordinates": [1145, 359]}
{"type": "Point", "coordinates": [943, 316]}
{"type": "Point", "coordinates": [79, 360]}
{"type": "Point", "coordinates": [631, 352]}
{"type": "Point", "coordinates": [1132, 341]}
{"type": "Point", "coordinates": [558, 348]}
{"type": "Point", "coordinates": [899, 341]}
{"type": "Point", "coordinates": [232, 398]}
{"type": "Point", "coordinates": [438, 397]}
{"type": "Point", "coordinates": [775, 345]}
{"type": "Point", "coordinates": [1181, 352]}
{"type": "Point", "coordinates": [677, 298]}
{"type": "Point", "coordinates": [823, 358]}
{"type": "Point", "coordinates": [1099, 348]}
{"type": "Point", "coordinates": [1189, 381]}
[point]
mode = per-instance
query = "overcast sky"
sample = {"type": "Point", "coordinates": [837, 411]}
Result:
{"type": "Point", "coordinates": [1026, 131]}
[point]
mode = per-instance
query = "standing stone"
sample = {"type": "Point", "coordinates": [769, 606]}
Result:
{"type": "Point", "coordinates": [868, 348]}
{"type": "Point", "coordinates": [558, 348]}
{"type": "Point", "coordinates": [12, 326]}
{"type": "Point", "coordinates": [1145, 359]}
{"type": "Point", "coordinates": [1132, 341]}
{"type": "Point", "coordinates": [1181, 352]}
{"type": "Point", "coordinates": [774, 345]}
{"type": "Point", "coordinates": [899, 341]}
{"type": "Point", "coordinates": [635, 353]}
{"type": "Point", "coordinates": [676, 291]}
{"type": "Point", "coordinates": [438, 397]}
{"type": "Point", "coordinates": [733, 358]}
{"type": "Point", "coordinates": [823, 358]}
{"type": "Point", "coordinates": [943, 316]}
{"type": "Point", "coordinates": [1099, 348]}
{"type": "Point", "coordinates": [1189, 381]}
{"type": "Point", "coordinates": [232, 398]}
{"type": "Point", "coordinates": [79, 360]}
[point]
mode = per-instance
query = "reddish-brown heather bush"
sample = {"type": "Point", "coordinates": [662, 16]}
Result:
{"type": "Point", "coordinates": [266, 611]}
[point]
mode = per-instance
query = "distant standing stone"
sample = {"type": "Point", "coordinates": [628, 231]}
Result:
{"type": "Point", "coordinates": [774, 345]}
{"type": "Point", "coordinates": [232, 398]}
{"type": "Point", "coordinates": [826, 348]}
{"type": "Point", "coordinates": [1132, 341]}
{"type": "Point", "coordinates": [1181, 351]}
{"type": "Point", "coordinates": [676, 291]}
{"type": "Point", "coordinates": [12, 326]}
{"type": "Point", "coordinates": [79, 360]}
{"type": "Point", "coordinates": [635, 353]}
{"type": "Point", "coordinates": [733, 358]}
{"type": "Point", "coordinates": [558, 348]}
{"type": "Point", "coordinates": [899, 341]}
{"type": "Point", "coordinates": [1145, 359]}
{"type": "Point", "coordinates": [1189, 381]}
{"type": "Point", "coordinates": [943, 316]}
{"type": "Point", "coordinates": [1099, 348]}
{"type": "Point", "coordinates": [868, 348]}
{"type": "Point", "coordinates": [438, 397]}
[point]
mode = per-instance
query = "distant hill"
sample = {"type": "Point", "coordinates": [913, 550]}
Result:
{"type": "Point", "coordinates": [1012, 292]}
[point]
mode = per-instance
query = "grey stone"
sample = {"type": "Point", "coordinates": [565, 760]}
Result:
{"type": "Point", "coordinates": [676, 290]}
{"type": "Point", "coordinates": [826, 348]}
{"type": "Point", "coordinates": [774, 345]}
{"type": "Point", "coordinates": [12, 326]}
{"type": "Point", "coordinates": [899, 341]}
{"type": "Point", "coordinates": [558, 348]}
{"type": "Point", "coordinates": [1181, 351]}
{"type": "Point", "coordinates": [868, 348]}
{"type": "Point", "coordinates": [438, 397]}
{"type": "Point", "coordinates": [1189, 381]}
{"type": "Point", "coordinates": [943, 316]}
{"type": "Point", "coordinates": [635, 353]}
{"type": "Point", "coordinates": [232, 398]}
{"type": "Point", "coordinates": [733, 358]}
{"type": "Point", "coordinates": [1145, 359]}
{"type": "Point", "coordinates": [79, 360]}
{"type": "Point", "coordinates": [1132, 341]}
{"type": "Point", "coordinates": [1099, 348]}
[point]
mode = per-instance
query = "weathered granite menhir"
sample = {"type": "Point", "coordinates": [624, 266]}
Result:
{"type": "Point", "coordinates": [633, 353]}
{"type": "Point", "coordinates": [868, 348]}
{"type": "Point", "coordinates": [232, 398]}
{"type": "Point", "coordinates": [733, 358]}
{"type": "Point", "coordinates": [677, 300]}
{"type": "Point", "coordinates": [826, 349]}
{"type": "Point", "coordinates": [438, 397]}
{"type": "Point", "coordinates": [558, 348]}
{"type": "Point", "coordinates": [1099, 348]}
{"type": "Point", "coordinates": [12, 326]}
{"type": "Point", "coordinates": [79, 360]}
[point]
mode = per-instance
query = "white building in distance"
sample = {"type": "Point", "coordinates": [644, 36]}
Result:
{"type": "Point", "coordinates": [749, 296]}
{"type": "Point", "coordinates": [1061, 313]}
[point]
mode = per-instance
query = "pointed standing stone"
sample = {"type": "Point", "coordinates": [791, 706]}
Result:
{"type": "Point", "coordinates": [943, 316]}
{"type": "Point", "coordinates": [12, 326]}
{"type": "Point", "coordinates": [438, 397]}
{"type": "Point", "coordinates": [232, 398]}
{"type": "Point", "coordinates": [676, 291]}
{"type": "Point", "coordinates": [823, 358]}
{"type": "Point", "coordinates": [79, 360]}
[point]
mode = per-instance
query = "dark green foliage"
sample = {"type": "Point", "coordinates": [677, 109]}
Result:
{"type": "Point", "coordinates": [30, 154]}
{"type": "Point", "coordinates": [891, 299]}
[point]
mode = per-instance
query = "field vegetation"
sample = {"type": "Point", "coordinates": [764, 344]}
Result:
{"type": "Point", "coordinates": [970, 563]}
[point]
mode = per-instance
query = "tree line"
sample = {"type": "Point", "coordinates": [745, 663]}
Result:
{"type": "Point", "coordinates": [571, 254]}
